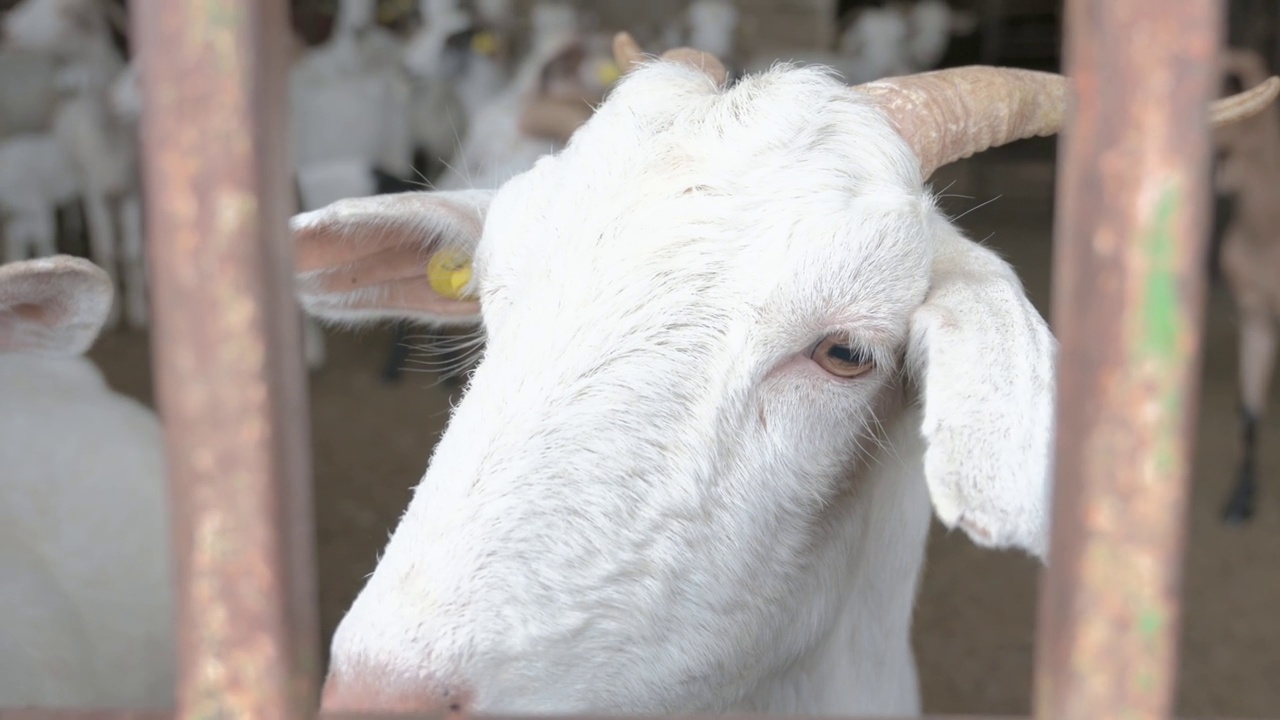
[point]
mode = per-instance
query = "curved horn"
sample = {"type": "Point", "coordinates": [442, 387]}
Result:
{"type": "Point", "coordinates": [628, 54]}
{"type": "Point", "coordinates": [948, 115]}
{"type": "Point", "coordinates": [1242, 106]}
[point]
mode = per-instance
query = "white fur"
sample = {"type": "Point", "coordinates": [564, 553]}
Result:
{"type": "Point", "coordinates": [650, 500]}
{"type": "Point", "coordinates": [84, 537]}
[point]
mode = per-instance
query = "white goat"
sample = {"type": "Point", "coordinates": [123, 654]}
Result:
{"type": "Point", "coordinates": [357, 42]}
{"type": "Point", "coordinates": [932, 24]}
{"type": "Point", "coordinates": [1250, 263]}
{"type": "Point", "coordinates": [28, 90]}
{"type": "Point", "coordinates": [75, 31]}
{"type": "Point", "coordinates": [734, 352]}
{"type": "Point", "coordinates": [84, 535]}
{"type": "Point", "coordinates": [102, 149]}
{"type": "Point", "coordinates": [349, 102]}
{"type": "Point", "coordinates": [36, 176]}
{"type": "Point", "coordinates": [455, 67]}
{"type": "Point", "coordinates": [350, 97]}
{"type": "Point", "coordinates": [124, 99]}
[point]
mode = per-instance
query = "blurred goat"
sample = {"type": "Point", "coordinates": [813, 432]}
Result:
{"type": "Point", "coordinates": [1250, 262]}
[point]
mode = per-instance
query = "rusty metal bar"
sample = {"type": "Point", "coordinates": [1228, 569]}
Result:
{"type": "Point", "coordinates": [229, 371]}
{"type": "Point", "coordinates": [1128, 302]}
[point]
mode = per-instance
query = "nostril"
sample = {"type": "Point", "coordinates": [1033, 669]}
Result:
{"type": "Point", "coordinates": [380, 691]}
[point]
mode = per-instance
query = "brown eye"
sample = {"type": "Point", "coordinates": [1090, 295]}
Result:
{"type": "Point", "coordinates": [840, 357]}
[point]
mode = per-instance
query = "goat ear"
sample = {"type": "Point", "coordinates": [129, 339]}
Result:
{"type": "Point", "coordinates": [984, 360]}
{"type": "Point", "coordinates": [405, 256]}
{"type": "Point", "coordinates": [52, 306]}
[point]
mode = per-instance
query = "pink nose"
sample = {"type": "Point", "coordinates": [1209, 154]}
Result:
{"type": "Point", "coordinates": [369, 690]}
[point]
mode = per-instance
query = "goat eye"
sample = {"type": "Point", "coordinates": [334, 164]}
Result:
{"type": "Point", "coordinates": [839, 356]}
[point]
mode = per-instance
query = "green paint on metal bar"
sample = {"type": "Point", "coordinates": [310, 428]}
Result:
{"type": "Point", "coordinates": [1150, 623]}
{"type": "Point", "coordinates": [1160, 325]}
{"type": "Point", "coordinates": [222, 22]}
{"type": "Point", "coordinates": [1160, 298]}
{"type": "Point", "coordinates": [223, 14]}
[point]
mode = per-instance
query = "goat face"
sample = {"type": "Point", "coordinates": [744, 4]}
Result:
{"type": "Point", "coordinates": [708, 321]}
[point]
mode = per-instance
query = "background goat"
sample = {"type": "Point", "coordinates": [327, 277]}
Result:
{"type": "Point", "coordinates": [1250, 260]}
{"type": "Point", "coordinates": [87, 596]}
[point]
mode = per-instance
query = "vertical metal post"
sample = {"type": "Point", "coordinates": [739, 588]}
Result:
{"type": "Point", "coordinates": [1128, 301]}
{"type": "Point", "coordinates": [229, 371]}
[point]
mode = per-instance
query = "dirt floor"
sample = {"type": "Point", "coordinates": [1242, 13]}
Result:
{"type": "Point", "coordinates": [975, 616]}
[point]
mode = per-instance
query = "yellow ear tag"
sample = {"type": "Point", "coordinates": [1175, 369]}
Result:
{"type": "Point", "coordinates": [484, 43]}
{"type": "Point", "coordinates": [449, 272]}
{"type": "Point", "coordinates": [608, 73]}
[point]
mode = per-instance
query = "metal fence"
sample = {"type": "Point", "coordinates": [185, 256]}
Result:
{"type": "Point", "coordinates": [1128, 298]}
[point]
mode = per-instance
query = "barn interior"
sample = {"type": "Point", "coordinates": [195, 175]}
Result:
{"type": "Point", "coordinates": [975, 620]}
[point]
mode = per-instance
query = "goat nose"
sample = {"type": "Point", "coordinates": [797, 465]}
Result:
{"type": "Point", "coordinates": [375, 690]}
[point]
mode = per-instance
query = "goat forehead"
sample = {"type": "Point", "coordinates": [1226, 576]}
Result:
{"type": "Point", "coordinates": [726, 194]}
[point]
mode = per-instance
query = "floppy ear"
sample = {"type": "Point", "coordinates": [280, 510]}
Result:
{"type": "Point", "coordinates": [984, 360]}
{"type": "Point", "coordinates": [405, 256]}
{"type": "Point", "coordinates": [52, 306]}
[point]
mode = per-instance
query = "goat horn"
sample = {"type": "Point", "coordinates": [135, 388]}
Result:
{"type": "Point", "coordinates": [1244, 105]}
{"type": "Point", "coordinates": [949, 115]}
{"type": "Point", "coordinates": [628, 54]}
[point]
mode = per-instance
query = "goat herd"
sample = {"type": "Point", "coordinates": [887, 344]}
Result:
{"type": "Point", "coordinates": [735, 357]}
